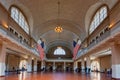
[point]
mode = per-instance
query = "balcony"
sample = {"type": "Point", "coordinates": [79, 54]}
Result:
{"type": "Point", "coordinates": [6, 32]}
{"type": "Point", "coordinates": [115, 30]}
{"type": "Point", "coordinates": [82, 52]}
{"type": "Point", "coordinates": [99, 39]}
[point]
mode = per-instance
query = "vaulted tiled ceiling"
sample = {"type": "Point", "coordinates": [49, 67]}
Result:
{"type": "Point", "coordinates": [42, 16]}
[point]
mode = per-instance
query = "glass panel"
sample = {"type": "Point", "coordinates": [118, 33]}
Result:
{"type": "Point", "coordinates": [13, 13]}
{"type": "Point", "coordinates": [16, 16]}
{"type": "Point", "coordinates": [19, 18]}
{"type": "Point", "coordinates": [92, 27]}
{"type": "Point", "coordinates": [98, 18]}
{"type": "Point", "coordinates": [105, 12]}
{"type": "Point", "coordinates": [59, 51]}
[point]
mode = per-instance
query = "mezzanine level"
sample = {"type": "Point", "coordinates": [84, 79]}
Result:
{"type": "Point", "coordinates": [103, 41]}
{"type": "Point", "coordinates": [12, 39]}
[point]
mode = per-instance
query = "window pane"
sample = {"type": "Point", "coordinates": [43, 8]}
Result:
{"type": "Point", "coordinates": [105, 12]}
{"type": "Point", "coordinates": [19, 18]}
{"type": "Point", "coordinates": [92, 27]}
{"type": "Point", "coordinates": [13, 13]}
{"type": "Point", "coordinates": [59, 51]}
{"type": "Point", "coordinates": [98, 18]}
{"type": "Point", "coordinates": [16, 15]}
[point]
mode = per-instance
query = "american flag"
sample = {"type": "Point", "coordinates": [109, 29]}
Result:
{"type": "Point", "coordinates": [74, 43]}
{"type": "Point", "coordinates": [41, 51]}
{"type": "Point", "coordinates": [75, 50]}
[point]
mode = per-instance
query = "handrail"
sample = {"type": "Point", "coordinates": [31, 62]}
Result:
{"type": "Point", "coordinates": [11, 35]}
{"type": "Point", "coordinates": [101, 38]}
{"type": "Point", "coordinates": [105, 35]}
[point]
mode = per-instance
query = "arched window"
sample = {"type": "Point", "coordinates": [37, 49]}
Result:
{"type": "Point", "coordinates": [59, 51]}
{"type": "Point", "coordinates": [17, 15]}
{"type": "Point", "coordinates": [100, 15]}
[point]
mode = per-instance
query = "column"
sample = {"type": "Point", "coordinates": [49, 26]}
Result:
{"type": "Point", "coordinates": [115, 48]}
{"type": "Point", "coordinates": [75, 65]}
{"type": "Point", "coordinates": [54, 66]}
{"type": "Point", "coordinates": [88, 62]}
{"type": "Point", "coordinates": [83, 65]}
{"type": "Point", "coordinates": [2, 59]}
{"type": "Point", "coordinates": [42, 65]}
{"type": "Point", "coordinates": [64, 66]}
{"type": "Point", "coordinates": [35, 65]}
{"type": "Point", "coordinates": [29, 67]}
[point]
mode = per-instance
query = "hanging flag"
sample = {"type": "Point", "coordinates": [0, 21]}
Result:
{"type": "Point", "coordinates": [42, 44]}
{"type": "Point", "coordinates": [74, 43]}
{"type": "Point", "coordinates": [40, 50]}
{"type": "Point", "coordinates": [76, 48]}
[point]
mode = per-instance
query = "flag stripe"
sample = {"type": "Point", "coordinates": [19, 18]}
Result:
{"type": "Point", "coordinates": [75, 51]}
{"type": "Point", "coordinates": [41, 51]}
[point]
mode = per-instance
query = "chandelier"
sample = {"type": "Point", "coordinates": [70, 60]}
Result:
{"type": "Point", "coordinates": [58, 28]}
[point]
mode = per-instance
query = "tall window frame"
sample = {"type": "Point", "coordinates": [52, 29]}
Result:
{"type": "Point", "coordinates": [19, 18]}
{"type": "Point", "coordinates": [98, 18]}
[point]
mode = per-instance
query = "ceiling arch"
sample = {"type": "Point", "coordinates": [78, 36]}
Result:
{"type": "Point", "coordinates": [59, 43]}
{"type": "Point", "coordinates": [65, 24]}
{"type": "Point", "coordinates": [52, 38]}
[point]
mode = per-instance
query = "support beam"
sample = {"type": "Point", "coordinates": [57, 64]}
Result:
{"type": "Point", "coordinates": [2, 59]}
{"type": "Point", "coordinates": [88, 63]}
{"type": "Point", "coordinates": [43, 65]}
{"type": "Point", "coordinates": [83, 65]}
{"type": "Point", "coordinates": [64, 66]}
{"type": "Point", "coordinates": [29, 67]}
{"type": "Point", "coordinates": [54, 67]}
{"type": "Point", "coordinates": [35, 65]}
{"type": "Point", "coordinates": [115, 48]}
{"type": "Point", "coordinates": [75, 65]}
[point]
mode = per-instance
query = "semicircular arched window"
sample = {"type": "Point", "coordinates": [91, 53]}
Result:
{"type": "Point", "coordinates": [18, 16]}
{"type": "Point", "coordinates": [99, 16]}
{"type": "Point", "coordinates": [59, 51]}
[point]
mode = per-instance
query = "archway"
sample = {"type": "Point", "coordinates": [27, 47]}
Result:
{"type": "Point", "coordinates": [95, 66]}
{"type": "Point", "coordinates": [23, 63]}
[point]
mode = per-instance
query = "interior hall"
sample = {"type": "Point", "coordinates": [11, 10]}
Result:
{"type": "Point", "coordinates": [59, 39]}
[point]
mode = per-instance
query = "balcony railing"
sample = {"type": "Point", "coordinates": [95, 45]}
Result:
{"type": "Point", "coordinates": [99, 39]}
{"type": "Point", "coordinates": [81, 52]}
{"type": "Point", "coordinates": [112, 31]}
{"type": "Point", "coordinates": [34, 51]}
{"type": "Point", "coordinates": [16, 38]}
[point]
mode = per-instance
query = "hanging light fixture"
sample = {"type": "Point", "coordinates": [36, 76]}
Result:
{"type": "Point", "coordinates": [58, 28]}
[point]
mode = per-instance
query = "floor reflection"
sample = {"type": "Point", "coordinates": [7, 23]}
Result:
{"type": "Point", "coordinates": [95, 76]}
{"type": "Point", "coordinates": [23, 75]}
{"type": "Point", "coordinates": [57, 76]}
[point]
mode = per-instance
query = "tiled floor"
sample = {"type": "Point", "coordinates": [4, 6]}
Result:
{"type": "Point", "coordinates": [57, 76]}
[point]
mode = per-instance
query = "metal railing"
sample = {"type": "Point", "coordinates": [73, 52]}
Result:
{"type": "Point", "coordinates": [2, 30]}
{"type": "Point", "coordinates": [99, 39]}
{"type": "Point", "coordinates": [81, 52]}
{"type": "Point", "coordinates": [112, 31]}
{"type": "Point", "coordinates": [34, 51]}
{"type": "Point", "coordinates": [16, 38]}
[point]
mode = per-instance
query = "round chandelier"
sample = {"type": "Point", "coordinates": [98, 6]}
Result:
{"type": "Point", "coordinates": [58, 29]}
